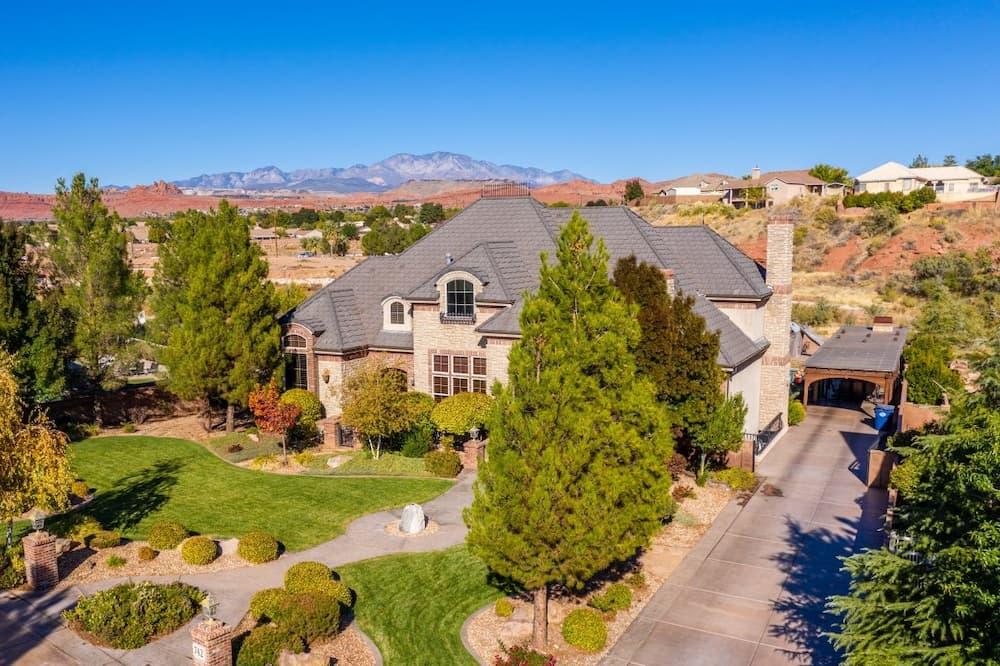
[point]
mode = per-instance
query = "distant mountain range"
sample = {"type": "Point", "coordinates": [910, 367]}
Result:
{"type": "Point", "coordinates": [378, 177]}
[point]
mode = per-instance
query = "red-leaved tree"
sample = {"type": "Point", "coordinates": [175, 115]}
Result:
{"type": "Point", "coordinates": [273, 416]}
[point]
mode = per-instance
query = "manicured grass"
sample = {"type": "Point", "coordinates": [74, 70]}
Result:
{"type": "Point", "coordinates": [142, 480]}
{"type": "Point", "coordinates": [388, 464]}
{"type": "Point", "coordinates": [249, 449]}
{"type": "Point", "coordinates": [413, 606]}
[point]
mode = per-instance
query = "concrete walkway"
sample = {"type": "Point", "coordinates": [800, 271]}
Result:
{"type": "Point", "coordinates": [754, 589]}
{"type": "Point", "coordinates": [31, 631]}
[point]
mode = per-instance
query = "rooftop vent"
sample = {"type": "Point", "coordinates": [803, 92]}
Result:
{"type": "Point", "coordinates": [448, 259]}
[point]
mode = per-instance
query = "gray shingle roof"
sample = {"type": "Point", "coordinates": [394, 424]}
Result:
{"type": "Point", "coordinates": [735, 348]}
{"type": "Point", "coordinates": [859, 348]}
{"type": "Point", "coordinates": [500, 240]}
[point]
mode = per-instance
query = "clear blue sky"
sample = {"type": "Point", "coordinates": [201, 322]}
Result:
{"type": "Point", "coordinates": [136, 92]}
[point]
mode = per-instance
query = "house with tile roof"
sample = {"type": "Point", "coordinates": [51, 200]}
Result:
{"type": "Point", "coordinates": [776, 188]}
{"type": "Point", "coordinates": [950, 183]}
{"type": "Point", "coordinates": [446, 311]}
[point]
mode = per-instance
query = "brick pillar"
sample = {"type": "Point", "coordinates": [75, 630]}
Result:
{"type": "Point", "coordinates": [41, 561]}
{"type": "Point", "coordinates": [473, 453]}
{"type": "Point", "coordinates": [777, 319]}
{"type": "Point", "coordinates": [211, 644]}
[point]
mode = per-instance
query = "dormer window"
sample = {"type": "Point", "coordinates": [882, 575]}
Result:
{"type": "Point", "coordinates": [461, 299]}
{"type": "Point", "coordinates": [396, 313]}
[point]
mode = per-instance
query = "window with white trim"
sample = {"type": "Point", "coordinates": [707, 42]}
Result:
{"type": "Point", "coordinates": [458, 373]}
{"type": "Point", "coordinates": [396, 314]}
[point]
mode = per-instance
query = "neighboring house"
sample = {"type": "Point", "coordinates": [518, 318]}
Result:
{"type": "Point", "coordinates": [446, 311]}
{"type": "Point", "coordinates": [775, 188]}
{"type": "Point", "coordinates": [696, 187]}
{"type": "Point", "coordinates": [950, 183]}
{"type": "Point", "coordinates": [261, 234]}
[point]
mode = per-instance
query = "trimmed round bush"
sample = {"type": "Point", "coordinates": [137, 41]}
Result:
{"type": "Point", "coordinates": [262, 646]}
{"type": "Point", "coordinates": [584, 629]}
{"type": "Point", "coordinates": [80, 489]}
{"type": "Point", "coordinates": [130, 615]}
{"type": "Point", "coordinates": [146, 553]}
{"type": "Point", "coordinates": [304, 576]}
{"type": "Point", "coordinates": [263, 603]}
{"type": "Point", "coordinates": [503, 607]}
{"type": "Point", "coordinates": [310, 408]}
{"type": "Point", "coordinates": [199, 550]}
{"type": "Point", "coordinates": [258, 547]}
{"type": "Point", "coordinates": [796, 412]}
{"type": "Point", "coordinates": [77, 527]}
{"type": "Point", "coordinates": [335, 589]}
{"type": "Point", "coordinates": [443, 462]}
{"type": "Point", "coordinates": [166, 535]}
{"type": "Point", "coordinates": [462, 412]}
{"type": "Point", "coordinates": [617, 597]}
{"type": "Point", "coordinates": [104, 539]}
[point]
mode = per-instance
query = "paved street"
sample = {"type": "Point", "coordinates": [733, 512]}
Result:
{"type": "Point", "coordinates": [753, 590]}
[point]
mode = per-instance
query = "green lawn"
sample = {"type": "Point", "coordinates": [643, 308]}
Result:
{"type": "Point", "coordinates": [388, 464]}
{"type": "Point", "coordinates": [413, 606]}
{"type": "Point", "coordinates": [141, 480]}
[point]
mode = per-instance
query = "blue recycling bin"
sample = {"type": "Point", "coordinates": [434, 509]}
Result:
{"type": "Point", "coordinates": [883, 414]}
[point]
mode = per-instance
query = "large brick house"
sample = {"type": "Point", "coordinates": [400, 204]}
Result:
{"type": "Point", "coordinates": [446, 310]}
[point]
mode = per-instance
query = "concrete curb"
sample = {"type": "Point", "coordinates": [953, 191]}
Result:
{"type": "Point", "coordinates": [369, 642]}
{"type": "Point", "coordinates": [465, 632]}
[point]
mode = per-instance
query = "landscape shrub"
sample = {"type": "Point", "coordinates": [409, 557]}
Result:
{"type": "Point", "coordinates": [904, 477]}
{"type": "Point", "coordinates": [796, 412]}
{"type": "Point", "coordinates": [146, 554]}
{"type": "Point", "coordinates": [303, 576]}
{"type": "Point", "coordinates": [897, 201]}
{"type": "Point", "coordinates": [258, 547]}
{"type": "Point", "coordinates": [522, 655]}
{"type": "Point", "coordinates": [678, 465]}
{"type": "Point", "coordinates": [881, 219]}
{"type": "Point", "coordinates": [80, 489]}
{"type": "Point", "coordinates": [928, 370]}
{"type": "Point", "coordinates": [260, 462]}
{"type": "Point", "coordinates": [77, 527]}
{"type": "Point", "coordinates": [636, 581]}
{"type": "Point", "coordinates": [584, 629]}
{"type": "Point", "coordinates": [166, 535]}
{"type": "Point", "coordinates": [461, 412]}
{"type": "Point", "coordinates": [263, 603]}
{"type": "Point", "coordinates": [736, 478]}
{"type": "Point", "coordinates": [336, 589]}
{"type": "Point", "coordinates": [128, 428]}
{"type": "Point", "coordinates": [303, 458]}
{"type": "Point", "coordinates": [443, 462]}
{"type": "Point", "coordinates": [130, 615]}
{"type": "Point", "coordinates": [819, 313]}
{"type": "Point", "coordinates": [264, 644]}
{"type": "Point", "coordinates": [503, 607]}
{"type": "Point", "coordinates": [680, 492]}
{"type": "Point", "coordinates": [199, 550]}
{"type": "Point", "coordinates": [104, 539]}
{"type": "Point", "coordinates": [310, 411]}
{"type": "Point", "coordinates": [310, 615]}
{"type": "Point", "coordinates": [617, 597]}
{"type": "Point", "coordinates": [116, 562]}
{"type": "Point", "coordinates": [799, 235]}
{"type": "Point", "coordinates": [826, 216]}
{"type": "Point", "coordinates": [701, 479]}
{"type": "Point", "coordinates": [12, 566]}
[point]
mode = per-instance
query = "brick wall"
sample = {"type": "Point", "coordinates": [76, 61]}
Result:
{"type": "Point", "coordinates": [431, 336]}
{"type": "Point", "coordinates": [777, 319]}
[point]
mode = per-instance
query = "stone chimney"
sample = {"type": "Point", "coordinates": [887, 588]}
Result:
{"type": "Point", "coordinates": [882, 324]}
{"type": "Point", "coordinates": [755, 173]}
{"type": "Point", "coordinates": [777, 319]}
{"type": "Point", "coordinates": [668, 275]}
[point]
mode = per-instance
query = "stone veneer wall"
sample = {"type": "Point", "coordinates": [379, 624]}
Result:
{"type": "Point", "coordinates": [777, 320]}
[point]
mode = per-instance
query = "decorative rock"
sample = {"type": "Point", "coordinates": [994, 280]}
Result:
{"type": "Point", "coordinates": [229, 546]}
{"type": "Point", "coordinates": [336, 461]}
{"type": "Point", "coordinates": [413, 519]}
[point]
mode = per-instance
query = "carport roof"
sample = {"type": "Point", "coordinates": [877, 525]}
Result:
{"type": "Point", "coordinates": [862, 349]}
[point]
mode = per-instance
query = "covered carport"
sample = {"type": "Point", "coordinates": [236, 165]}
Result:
{"type": "Point", "coordinates": [854, 358]}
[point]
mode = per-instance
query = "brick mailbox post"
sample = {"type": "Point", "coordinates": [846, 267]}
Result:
{"type": "Point", "coordinates": [211, 644]}
{"type": "Point", "coordinates": [41, 561]}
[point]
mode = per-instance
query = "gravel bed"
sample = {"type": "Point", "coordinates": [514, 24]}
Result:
{"type": "Point", "coordinates": [84, 565]}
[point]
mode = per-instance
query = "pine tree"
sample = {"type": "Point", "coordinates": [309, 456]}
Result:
{"type": "Point", "coordinates": [101, 295]}
{"type": "Point", "coordinates": [215, 310]}
{"type": "Point", "coordinates": [633, 190]}
{"type": "Point", "coordinates": [676, 351]}
{"type": "Point", "coordinates": [576, 476]}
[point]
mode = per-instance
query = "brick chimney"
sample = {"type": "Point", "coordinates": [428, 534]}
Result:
{"type": "Point", "coordinates": [882, 324]}
{"type": "Point", "coordinates": [777, 319]}
{"type": "Point", "coordinates": [755, 173]}
{"type": "Point", "coordinates": [668, 275]}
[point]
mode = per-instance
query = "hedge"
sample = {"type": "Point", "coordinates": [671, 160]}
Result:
{"type": "Point", "coordinates": [585, 629]}
{"type": "Point", "coordinates": [199, 550]}
{"type": "Point", "coordinates": [262, 646]}
{"type": "Point", "coordinates": [461, 412]}
{"type": "Point", "coordinates": [130, 615]}
{"type": "Point", "coordinates": [166, 535]}
{"type": "Point", "coordinates": [443, 462]}
{"type": "Point", "coordinates": [258, 547]}
{"type": "Point", "coordinates": [303, 576]}
{"type": "Point", "coordinates": [310, 615]}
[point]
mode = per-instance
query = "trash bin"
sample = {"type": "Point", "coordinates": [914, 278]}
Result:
{"type": "Point", "coordinates": [883, 414]}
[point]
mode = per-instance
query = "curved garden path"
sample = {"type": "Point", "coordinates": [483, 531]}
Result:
{"type": "Point", "coordinates": [31, 622]}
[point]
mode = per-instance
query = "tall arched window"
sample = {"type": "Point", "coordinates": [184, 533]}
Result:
{"type": "Point", "coordinates": [396, 313]}
{"type": "Point", "coordinates": [460, 299]}
{"type": "Point", "coordinates": [295, 341]}
{"type": "Point", "coordinates": [296, 362]}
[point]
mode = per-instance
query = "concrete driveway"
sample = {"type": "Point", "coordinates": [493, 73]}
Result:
{"type": "Point", "coordinates": [753, 590]}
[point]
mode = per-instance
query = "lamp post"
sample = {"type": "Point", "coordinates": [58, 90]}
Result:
{"type": "Point", "coordinates": [210, 605]}
{"type": "Point", "coordinates": [37, 518]}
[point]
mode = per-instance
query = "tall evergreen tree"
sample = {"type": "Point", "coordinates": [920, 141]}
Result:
{"type": "Point", "coordinates": [676, 351]}
{"type": "Point", "coordinates": [98, 290]}
{"type": "Point", "coordinates": [575, 479]}
{"type": "Point", "coordinates": [215, 310]}
{"type": "Point", "coordinates": [30, 326]}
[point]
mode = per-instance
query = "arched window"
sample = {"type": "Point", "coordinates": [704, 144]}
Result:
{"type": "Point", "coordinates": [396, 313]}
{"type": "Point", "coordinates": [460, 299]}
{"type": "Point", "coordinates": [295, 341]}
